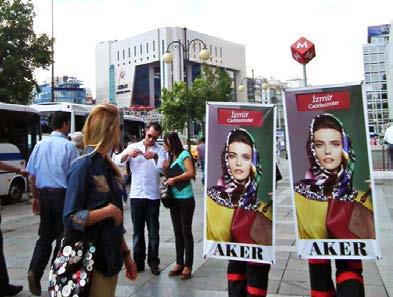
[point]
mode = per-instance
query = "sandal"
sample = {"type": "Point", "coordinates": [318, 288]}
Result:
{"type": "Point", "coordinates": [175, 272]}
{"type": "Point", "coordinates": [185, 275]}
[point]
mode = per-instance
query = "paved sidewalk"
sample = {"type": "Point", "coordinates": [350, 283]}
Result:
{"type": "Point", "coordinates": [288, 277]}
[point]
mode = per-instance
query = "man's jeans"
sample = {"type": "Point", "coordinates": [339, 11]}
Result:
{"type": "Point", "coordinates": [145, 211]}
{"type": "Point", "coordinates": [51, 229]}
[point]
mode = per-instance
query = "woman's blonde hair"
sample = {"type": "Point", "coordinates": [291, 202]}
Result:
{"type": "Point", "coordinates": [102, 129]}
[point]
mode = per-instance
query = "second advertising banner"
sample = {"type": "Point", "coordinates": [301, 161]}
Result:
{"type": "Point", "coordinates": [330, 166]}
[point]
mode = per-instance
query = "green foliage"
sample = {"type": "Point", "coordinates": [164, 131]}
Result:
{"type": "Point", "coordinates": [212, 85]}
{"type": "Point", "coordinates": [21, 51]}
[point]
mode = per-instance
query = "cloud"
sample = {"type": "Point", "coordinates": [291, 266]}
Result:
{"type": "Point", "coordinates": [338, 29]}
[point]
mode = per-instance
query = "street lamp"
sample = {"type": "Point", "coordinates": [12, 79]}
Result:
{"type": "Point", "coordinates": [204, 55]}
{"type": "Point", "coordinates": [242, 87]}
{"type": "Point", "coordinates": [52, 93]}
{"type": "Point", "coordinates": [265, 87]}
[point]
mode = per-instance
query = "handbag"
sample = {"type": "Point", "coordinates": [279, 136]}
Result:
{"type": "Point", "coordinates": [71, 271]}
{"type": "Point", "coordinates": [250, 226]}
{"type": "Point", "coordinates": [350, 220]}
{"type": "Point", "coordinates": [165, 194]}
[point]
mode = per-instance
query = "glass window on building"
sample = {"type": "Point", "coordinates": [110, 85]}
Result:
{"type": "Point", "coordinates": [124, 55]}
{"type": "Point", "coordinates": [154, 45]}
{"type": "Point", "coordinates": [220, 52]}
{"type": "Point", "coordinates": [365, 49]}
{"type": "Point", "coordinates": [141, 94]}
{"type": "Point", "coordinates": [118, 56]}
{"type": "Point", "coordinates": [147, 47]}
{"type": "Point", "coordinates": [140, 49]}
{"type": "Point", "coordinates": [367, 78]}
{"type": "Point", "coordinates": [134, 50]}
{"type": "Point", "coordinates": [157, 85]}
{"type": "Point", "coordinates": [129, 52]}
{"type": "Point", "coordinates": [215, 51]}
{"type": "Point", "coordinates": [382, 76]}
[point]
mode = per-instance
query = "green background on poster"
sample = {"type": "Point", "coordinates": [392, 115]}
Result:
{"type": "Point", "coordinates": [265, 144]}
{"type": "Point", "coordinates": [354, 124]}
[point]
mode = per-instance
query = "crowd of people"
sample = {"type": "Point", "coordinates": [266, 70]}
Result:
{"type": "Point", "coordinates": [83, 176]}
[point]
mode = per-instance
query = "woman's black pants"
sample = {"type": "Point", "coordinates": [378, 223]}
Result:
{"type": "Point", "coordinates": [246, 279]}
{"type": "Point", "coordinates": [349, 279]}
{"type": "Point", "coordinates": [182, 212]}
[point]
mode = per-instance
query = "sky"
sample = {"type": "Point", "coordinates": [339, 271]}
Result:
{"type": "Point", "coordinates": [338, 28]}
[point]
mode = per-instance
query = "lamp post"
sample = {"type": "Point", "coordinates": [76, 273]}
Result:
{"type": "Point", "coordinates": [204, 55]}
{"type": "Point", "coordinates": [52, 93]}
{"type": "Point", "coordinates": [241, 86]}
{"type": "Point", "coordinates": [265, 87]}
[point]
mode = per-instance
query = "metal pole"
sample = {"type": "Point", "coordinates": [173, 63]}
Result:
{"type": "Point", "coordinates": [185, 61]}
{"type": "Point", "coordinates": [52, 97]}
{"type": "Point", "coordinates": [253, 84]}
{"type": "Point", "coordinates": [305, 75]}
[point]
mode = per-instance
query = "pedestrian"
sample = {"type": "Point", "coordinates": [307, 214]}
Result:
{"type": "Point", "coordinates": [332, 163]}
{"type": "Point", "coordinates": [182, 210]}
{"type": "Point", "coordinates": [237, 188]}
{"type": "Point", "coordinates": [93, 204]}
{"type": "Point", "coordinates": [77, 140]}
{"type": "Point", "coordinates": [201, 157]}
{"type": "Point", "coordinates": [48, 166]}
{"type": "Point", "coordinates": [7, 289]}
{"type": "Point", "coordinates": [389, 141]}
{"type": "Point", "coordinates": [146, 160]}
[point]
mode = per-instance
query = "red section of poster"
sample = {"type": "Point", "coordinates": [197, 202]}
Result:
{"type": "Point", "coordinates": [323, 101]}
{"type": "Point", "coordinates": [239, 117]}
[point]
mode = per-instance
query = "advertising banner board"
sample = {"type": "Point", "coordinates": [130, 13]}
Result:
{"type": "Point", "coordinates": [330, 172]}
{"type": "Point", "coordinates": [240, 182]}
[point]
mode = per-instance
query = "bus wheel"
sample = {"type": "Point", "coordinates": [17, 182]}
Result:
{"type": "Point", "coordinates": [15, 192]}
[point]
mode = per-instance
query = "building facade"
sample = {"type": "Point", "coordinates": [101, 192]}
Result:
{"type": "Point", "coordinates": [131, 72]}
{"type": "Point", "coordinates": [375, 78]}
{"type": "Point", "coordinates": [67, 89]}
{"type": "Point", "coordinates": [389, 72]}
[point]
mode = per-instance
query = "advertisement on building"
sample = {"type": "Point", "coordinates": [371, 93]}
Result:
{"type": "Point", "coordinates": [240, 179]}
{"type": "Point", "coordinates": [377, 30]}
{"type": "Point", "coordinates": [330, 173]}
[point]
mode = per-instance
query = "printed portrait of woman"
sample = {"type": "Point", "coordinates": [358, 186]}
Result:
{"type": "Point", "coordinates": [327, 203]}
{"type": "Point", "coordinates": [234, 211]}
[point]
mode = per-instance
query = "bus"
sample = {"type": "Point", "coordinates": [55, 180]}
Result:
{"type": "Point", "coordinates": [133, 129]}
{"type": "Point", "coordinates": [133, 126]}
{"type": "Point", "coordinates": [19, 132]}
{"type": "Point", "coordinates": [79, 113]}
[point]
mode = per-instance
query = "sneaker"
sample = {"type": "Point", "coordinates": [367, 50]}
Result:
{"type": "Point", "coordinates": [34, 284]}
{"type": "Point", "coordinates": [155, 270]}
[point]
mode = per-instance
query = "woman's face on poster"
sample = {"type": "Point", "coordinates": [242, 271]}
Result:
{"type": "Point", "coordinates": [239, 159]}
{"type": "Point", "coordinates": [328, 147]}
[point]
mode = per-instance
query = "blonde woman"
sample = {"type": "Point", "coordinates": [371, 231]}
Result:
{"type": "Point", "coordinates": [93, 203]}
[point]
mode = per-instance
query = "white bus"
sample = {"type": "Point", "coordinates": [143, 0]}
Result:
{"type": "Point", "coordinates": [133, 126]}
{"type": "Point", "coordinates": [79, 113]}
{"type": "Point", "coordinates": [19, 132]}
{"type": "Point", "coordinates": [133, 129]}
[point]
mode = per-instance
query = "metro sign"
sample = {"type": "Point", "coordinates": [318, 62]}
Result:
{"type": "Point", "coordinates": [303, 50]}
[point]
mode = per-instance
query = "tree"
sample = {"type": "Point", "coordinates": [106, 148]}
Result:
{"type": "Point", "coordinates": [212, 85]}
{"type": "Point", "coordinates": [21, 51]}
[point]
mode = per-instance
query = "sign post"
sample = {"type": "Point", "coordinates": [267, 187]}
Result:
{"type": "Point", "coordinates": [303, 51]}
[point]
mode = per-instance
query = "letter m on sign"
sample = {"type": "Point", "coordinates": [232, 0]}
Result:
{"type": "Point", "coordinates": [303, 50]}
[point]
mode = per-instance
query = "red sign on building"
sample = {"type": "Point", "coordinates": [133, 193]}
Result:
{"type": "Point", "coordinates": [303, 50]}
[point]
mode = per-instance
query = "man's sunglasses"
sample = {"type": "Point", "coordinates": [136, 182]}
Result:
{"type": "Point", "coordinates": [152, 137]}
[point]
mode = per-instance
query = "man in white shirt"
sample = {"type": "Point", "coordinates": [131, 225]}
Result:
{"type": "Point", "coordinates": [389, 141]}
{"type": "Point", "coordinates": [146, 159]}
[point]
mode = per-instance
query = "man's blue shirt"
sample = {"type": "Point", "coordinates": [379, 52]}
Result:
{"type": "Point", "coordinates": [50, 161]}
